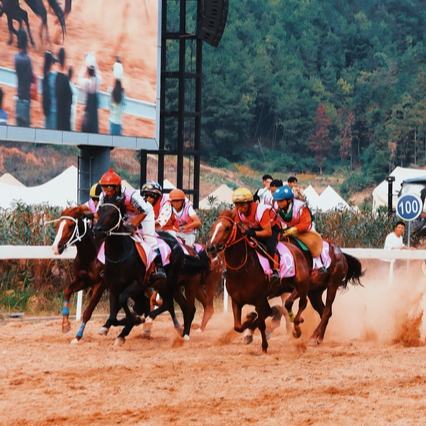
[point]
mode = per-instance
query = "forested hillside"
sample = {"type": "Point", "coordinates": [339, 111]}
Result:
{"type": "Point", "coordinates": [318, 85]}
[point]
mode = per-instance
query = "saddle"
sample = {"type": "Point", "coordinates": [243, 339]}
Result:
{"type": "Point", "coordinates": [310, 241]}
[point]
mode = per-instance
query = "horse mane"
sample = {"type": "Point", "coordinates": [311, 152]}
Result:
{"type": "Point", "coordinates": [76, 211]}
{"type": "Point", "coordinates": [228, 213]}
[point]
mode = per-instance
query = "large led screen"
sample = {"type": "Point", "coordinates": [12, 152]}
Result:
{"type": "Point", "coordinates": [89, 65]}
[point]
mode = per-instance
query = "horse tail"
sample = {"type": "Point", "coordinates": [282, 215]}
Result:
{"type": "Point", "coordinates": [59, 14]}
{"type": "Point", "coordinates": [355, 271]}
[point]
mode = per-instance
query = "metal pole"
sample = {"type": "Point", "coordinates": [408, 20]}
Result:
{"type": "Point", "coordinates": [390, 180]}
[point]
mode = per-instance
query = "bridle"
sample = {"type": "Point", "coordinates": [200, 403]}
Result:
{"type": "Point", "coordinates": [75, 236]}
{"type": "Point", "coordinates": [231, 241]}
{"type": "Point", "coordinates": [117, 225]}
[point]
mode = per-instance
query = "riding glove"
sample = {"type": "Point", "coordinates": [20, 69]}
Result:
{"type": "Point", "coordinates": [251, 233]}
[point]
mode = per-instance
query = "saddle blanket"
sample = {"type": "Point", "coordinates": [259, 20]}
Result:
{"type": "Point", "coordinates": [146, 253]}
{"type": "Point", "coordinates": [287, 267]}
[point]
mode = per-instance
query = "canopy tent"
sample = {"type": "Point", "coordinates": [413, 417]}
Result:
{"type": "Point", "coordinates": [380, 192]}
{"type": "Point", "coordinates": [8, 179]}
{"type": "Point", "coordinates": [59, 191]}
{"type": "Point", "coordinates": [312, 197]}
{"type": "Point", "coordinates": [222, 194]}
{"type": "Point", "coordinates": [331, 200]}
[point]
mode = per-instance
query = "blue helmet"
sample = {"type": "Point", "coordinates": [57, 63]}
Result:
{"type": "Point", "coordinates": [283, 193]}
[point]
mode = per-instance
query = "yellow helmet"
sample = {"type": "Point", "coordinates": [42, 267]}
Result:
{"type": "Point", "coordinates": [95, 191]}
{"type": "Point", "coordinates": [242, 195]}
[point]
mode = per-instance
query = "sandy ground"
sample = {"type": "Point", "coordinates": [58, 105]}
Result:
{"type": "Point", "coordinates": [370, 369]}
{"type": "Point", "coordinates": [127, 29]}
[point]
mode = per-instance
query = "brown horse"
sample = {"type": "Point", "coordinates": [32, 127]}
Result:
{"type": "Point", "coordinates": [246, 281]}
{"type": "Point", "coordinates": [74, 227]}
{"type": "Point", "coordinates": [343, 269]}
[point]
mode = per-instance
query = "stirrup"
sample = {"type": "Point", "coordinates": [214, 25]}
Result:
{"type": "Point", "coordinates": [275, 275]}
{"type": "Point", "coordinates": [159, 273]}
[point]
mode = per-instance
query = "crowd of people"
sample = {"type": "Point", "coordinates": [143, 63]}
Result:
{"type": "Point", "coordinates": [60, 95]}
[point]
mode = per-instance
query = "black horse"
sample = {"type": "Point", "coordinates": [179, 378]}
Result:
{"type": "Point", "coordinates": [126, 276]}
{"type": "Point", "coordinates": [14, 12]}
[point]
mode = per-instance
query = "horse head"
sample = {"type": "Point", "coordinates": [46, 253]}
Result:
{"type": "Point", "coordinates": [224, 232]}
{"type": "Point", "coordinates": [110, 217]}
{"type": "Point", "coordinates": [72, 226]}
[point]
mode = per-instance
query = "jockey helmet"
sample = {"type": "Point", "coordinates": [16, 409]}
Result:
{"type": "Point", "coordinates": [110, 178]}
{"type": "Point", "coordinates": [283, 193]}
{"type": "Point", "coordinates": [177, 195]}
{"type": "Point", "coordinates": [152, 187]}
{"type": "Point", "coordinates": [95, 191]}
{"type": "Point", "coordinates": [242, 195]}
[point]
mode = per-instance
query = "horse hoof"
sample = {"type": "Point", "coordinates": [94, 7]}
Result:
{"type": "Point", "coordinates": [268, 334]}
{"type": "Point", "coordinates": [248, 339]}
{"type": "Point", "coordinates": [186, 338]}
{"type": "Point", "coordinates": [74, 341]}
{"type": "Point", "coordinates": [103, 331]}
{"type": "Point", "coordinates": [297, 333]}
{"type": "Point", "coordinates": [119, 341]}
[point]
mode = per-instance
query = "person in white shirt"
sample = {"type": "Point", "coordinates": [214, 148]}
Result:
{"type": "Point", "coordinates": [394, 239]}
{"type": "Point", "coordinates": [263, 193]}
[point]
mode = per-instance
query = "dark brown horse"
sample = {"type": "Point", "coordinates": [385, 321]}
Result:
{"type": "Point", "coordinates": [246, 281]}
{"type": "Point", "coordinates": [344, 268]}
{"type": "Point", "coordinates": [74, 227]}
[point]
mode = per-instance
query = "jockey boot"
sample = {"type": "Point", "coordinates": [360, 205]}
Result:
{"type": "Point", "coordinates": [275, 274]}
{"type": "Point", "coordinates": [160, 273]}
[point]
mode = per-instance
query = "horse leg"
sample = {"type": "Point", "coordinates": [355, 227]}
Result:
{"type": "Point", "coordinates": [206, 299]}
{"type": "Point", "coordinates": [113, 311]}
{"type": "Point", "coordinates": [98, 290]}
{"type": "Point", "coordinates": [315, 297]}
{"type": "Point", "coordinates": [76, 285]}
{"type": "Point", "coordinates": [263, 311]}
{"type": "Point", "coordinates": [186, 310]}
{"type": "Point", "coordinates": [288, 304]}
{"type": "Point", "coordinates": [303, 301]}
{"type": "Point", "coordinates": [318, 334]}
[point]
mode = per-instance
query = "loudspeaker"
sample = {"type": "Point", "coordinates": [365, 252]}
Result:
{"type": "Point", "coordinates": [212, 20]}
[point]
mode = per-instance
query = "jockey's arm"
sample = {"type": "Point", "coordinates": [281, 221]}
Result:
{"type": "Point", "coordinates": [194, 224]}
{"type": "Point", "coordinates": [265, 224]}
{"type": "Point", "coordinates": [137, 219]}
{"type": "Point", "coordinates": [164, 215]}
{"type": "Point", "coordinates": [305, 221]}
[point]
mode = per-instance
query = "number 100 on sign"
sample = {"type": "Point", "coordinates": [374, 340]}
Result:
{"type": "Point", "coordinates": [409, 207]}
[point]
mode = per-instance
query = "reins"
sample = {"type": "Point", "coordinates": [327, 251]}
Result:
{"type": "Point", "coordinates": [75, 236]}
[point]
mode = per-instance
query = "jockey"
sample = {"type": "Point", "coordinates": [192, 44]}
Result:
{"type": "Point", "coordinates": [294, 218]}
{"type": "Point", "coordinates": [152, 192]}
{"type": "Point", "coordinates": [257, 218]}
{"type": "Point", "coordinates": [139, 212]}
{"type": "Point", "coordinates": [94, 193]}
{"type": "Point", "coordinates": [178, 217]}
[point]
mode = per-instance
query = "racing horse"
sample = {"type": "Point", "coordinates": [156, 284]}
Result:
{"type": "Point", "coordinates": [74, 227]}
{"type": "Point", "coordinates": [343, 269]}
{"type": "Point", "coordinates": [127, 277]}
{"type": "Point", "coordinates": [14, 12]}
{"type": "Point", "coordinates": [246, 281]}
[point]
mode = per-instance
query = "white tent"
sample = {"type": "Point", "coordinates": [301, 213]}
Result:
{"type": "Point", "coordinates": [380, 192]}
{"type": "Point", "coordinates": [222, 194]}
{"type": "Point", "coordinates": [331, 200]}
{"type": "Point", "coordinates": [312, 197]}
{"type": "Point", "coordinates": [59, 191]}
{"type": "Point", "coordinates": [8, 179]}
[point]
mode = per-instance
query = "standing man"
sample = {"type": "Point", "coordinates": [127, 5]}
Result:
{"type": "Point", "coordinates": [263, 193]}
{"type": "Point", "coordinates": [63, 94]}
{"type": "Point", "coordinates": [394, 239]}
{"type": "Point", "coordinates": [24, 74]}
{"type": "Point", "coordinates": [298, 193]}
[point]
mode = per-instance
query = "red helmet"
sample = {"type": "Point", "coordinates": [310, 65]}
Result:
{"type": "Point", "coordinates": [176, 195]}
{"type": "Point", "coordinates": [110, 178]}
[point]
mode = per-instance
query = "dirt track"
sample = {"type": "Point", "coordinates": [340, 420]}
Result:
{"type": "Point", "coordinates": [370, 369]}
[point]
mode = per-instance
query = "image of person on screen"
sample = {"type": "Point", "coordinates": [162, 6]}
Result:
{"type": "Point", "coordinates": [3, 113]}
{"type": "Point", "coordinates": [89, 84]}
{"type": "Point", "coordinates": [117, 102]}
{"type": "Point", "coordinates": [48, 91]}
{"type": "Point", "coordinates": [63, 93]}
{"type": "Point", "coordinates": [24, 75]}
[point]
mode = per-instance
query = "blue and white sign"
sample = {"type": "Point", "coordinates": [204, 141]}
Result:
{"type": "Point", "coordinates": [409, 207]}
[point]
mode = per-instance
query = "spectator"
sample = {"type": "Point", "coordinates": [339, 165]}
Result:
{"type": "Point", "coordinates": [298, 193]}
{"type": "Point", "coordinates": [75, 98]}
{"type": "Point", "coordinates": [24, 74]}
{"type": "Point", "coordinates": [263, 192]}
{"type": "Point", "coordinates": [89, 84]}
{"type": "Point", "coordinates": [274, 185]}
{"type": "Point", "coordinates": [394, 239]}
{"type": "Point", "coordinates": [49, 91]}
{"type": "Point", "coordinates": [64, 95]}
{"type": "Point", "coordinates": [117, 102]}
{"type": "Point", "coordinates": [3, 113]}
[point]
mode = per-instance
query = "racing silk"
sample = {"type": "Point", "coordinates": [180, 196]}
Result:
{"type": "Point", "coordinates": [159, 205]}
{"type": "Point", "coordinates": [91, 205]}
{"type": "Point", "coordinates": [297, 216]}
{"type": "Point", "coordinates": [258, 216]}
{"type": "Point", "coordinates": [184, 215]}
{"type": "Point", "coordinates": [166, 220]}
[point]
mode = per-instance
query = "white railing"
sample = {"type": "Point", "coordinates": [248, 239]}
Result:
{"type": "Point", "coordinates": [45, 252]}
